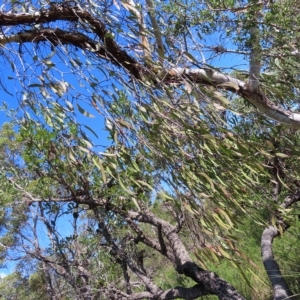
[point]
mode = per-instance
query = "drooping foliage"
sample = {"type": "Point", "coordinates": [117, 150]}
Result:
{"type": "Point", "coordinates": [146, 132]}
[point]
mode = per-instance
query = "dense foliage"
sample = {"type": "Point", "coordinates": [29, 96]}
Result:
{"type": "Point", "coordinates": [190, 170]}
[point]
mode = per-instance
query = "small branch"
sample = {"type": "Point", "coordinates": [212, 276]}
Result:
{"type": "Point", "coordinates": [277, 173]}
{"type": "Point", "coordinates": [156, 30]}
{"type": "Point", "coordinates": [236, 9]}
{"type": "Point", "coordinates": [126, 276]}
{"type": "Point", "coordinates": [122, 258]}
{"type": "Point", "coordinates": [149, 283]}
{"type": "Point", "coordinates": [254, 71]}
{"type": "Point", "coordinates": [141, 24]}
{"type": "Point", "coordinates": [161, 240]}
{"type": "Point", "coordinates": [149, 242]}
{"type": "Point", "coordinates": [50, 289]}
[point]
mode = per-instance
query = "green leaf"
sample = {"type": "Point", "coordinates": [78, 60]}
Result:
{"type": "Point", "coordinates": [84, 149]}
{"type": "Point", "coordinates": [99, 165]}
{"type": "Point", "coordinates": [208, 179]}
{"type": "Point", "coordinates": [224, 253]}
{"type": "Point", "coordinates": [124, 187]}
{"type": "Point", "coordinates": [91, 130]}
{"type": "Point", "coordinates": [145, 184]}
{"type": "Point", "coordinates": [124, 123]}
{"type": "Point", "coordinates": [282, 155]}
{"type": "Point", "coordinates": [84, 112]}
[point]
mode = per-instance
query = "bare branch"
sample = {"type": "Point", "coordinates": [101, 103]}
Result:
{"type": "Point", "coordinates": [150, 242]}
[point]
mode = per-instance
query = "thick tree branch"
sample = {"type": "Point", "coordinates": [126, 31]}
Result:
{"type": "Point", "coordinates": [211, 283]}
{"type": "Point", "coordinates": [280, 288]}
{"type": "Point", "coordinates": [56, 37]}
{"type": "Point", "coordinates": [220, 80]}
{"type": "Point", "coordinates": [108, 49]}
{"type": "Point", "coordinates": [174, 293]}
{"type": "Point", "coordinates": [255, 59]}
{"type": "Point", "coordinates": [62, 12]}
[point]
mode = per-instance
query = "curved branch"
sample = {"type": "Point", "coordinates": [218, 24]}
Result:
{"type": "Point", "coordinates": [108, 49]}
{"type": "Point", "coordinates": [63, 12]}
{"type": "Point", "coordinates": [280, 288]}
{"type": "Point", "coordinates": [57, 37]}
{"type": "Point", "coordinates": [258, 99]}
{"type": "Point", "coordinates": [210, 282]}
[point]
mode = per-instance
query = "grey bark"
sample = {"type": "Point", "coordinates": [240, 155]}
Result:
{"type": "Point", "coordinates": [280, 288]}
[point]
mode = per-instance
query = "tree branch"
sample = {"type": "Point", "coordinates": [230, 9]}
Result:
{"type": "Point", "coordinates": [156, 30]}
{"type": "Point", "coordinates": [209, 281]}
{"type": "Point", "coordinates": [63, 12]}
{"type": "Point", "coordinates": [259, 100]}
{"type": "Point", "coordinates": [254, 71]}
{"type": "Point", "coordinates": [141, 237]}
{"type": "Point", "coordinates": [108, 49]}
{"type": "Point", "coordinates": [280, 288]}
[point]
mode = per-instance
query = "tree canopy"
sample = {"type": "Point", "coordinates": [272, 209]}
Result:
{"type": "Point", "coordinates": [190, 167]}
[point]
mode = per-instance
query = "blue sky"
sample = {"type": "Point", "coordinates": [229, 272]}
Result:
{"type": "Point", "coordinates": [12, 98]}
{"type": "Point", "coordinates": [12, 103]}
{"type": "Point", "coordinates": [97, 123]}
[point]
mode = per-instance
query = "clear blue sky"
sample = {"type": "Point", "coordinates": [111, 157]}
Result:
{"type": "Point", "coordinates": [97, 123]}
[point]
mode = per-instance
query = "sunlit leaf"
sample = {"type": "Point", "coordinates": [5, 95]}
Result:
{"type": "Point", "coordinates": [84, 112]}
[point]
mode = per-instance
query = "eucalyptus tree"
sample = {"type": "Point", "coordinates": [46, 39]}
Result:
{"type": "Point", "coordinates": [191, 93]}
